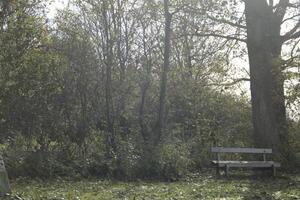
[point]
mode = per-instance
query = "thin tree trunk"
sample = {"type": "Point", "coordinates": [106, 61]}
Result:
{"type": "Point", "coordinates": [145, 86]}
{"type": "Point", "coordinates": [108, 82]}
{"type": "Point", "coordinates": [165, 70]}
{"type": "Point", "coordinates": [121, 56]}
{"type": "Point", "coordinates": [144, 131]}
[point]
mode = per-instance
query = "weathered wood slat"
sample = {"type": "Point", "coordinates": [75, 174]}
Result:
{"type": "Point", "coordinates": [240, 150]}
{"type": "Point", "coordinates": [246, 164]}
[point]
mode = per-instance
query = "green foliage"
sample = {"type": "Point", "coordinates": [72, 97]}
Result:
{"type": "Point", "coordinates": [30, 72]}
{"type": "Point", "coordinates": [174, 160]}
{"type": "Point", "coordinates": [294, 142]}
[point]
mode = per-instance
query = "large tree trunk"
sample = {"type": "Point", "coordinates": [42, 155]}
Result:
{"type": "Point", "coordinates": [267, 89]}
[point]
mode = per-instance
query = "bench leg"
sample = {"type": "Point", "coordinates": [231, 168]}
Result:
{"type": "Point", "coordinates": [218, 170]}
{"type": "Point", "coordinates": [274, 170]}
{"type": "Point", "coordinates": [226, 170]}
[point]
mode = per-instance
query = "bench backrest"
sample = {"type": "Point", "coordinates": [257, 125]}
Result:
{"type": "Point", "coordinates": [240, 150]}
{"type": "Point", "coordinates": [219, 150]}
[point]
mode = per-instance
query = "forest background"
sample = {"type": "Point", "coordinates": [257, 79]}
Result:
{"type": "Point", "coordinates": [139, 89]}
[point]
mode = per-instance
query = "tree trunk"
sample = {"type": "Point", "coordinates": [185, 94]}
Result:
{"type": "Point", "coordinates": [143, 126]}
{"type": "Point", "coordinates": [267, 82]}
{"type": "Point", "coordinates": [111, 148]}
{"type": "Point", "coordinates": [164, 76]}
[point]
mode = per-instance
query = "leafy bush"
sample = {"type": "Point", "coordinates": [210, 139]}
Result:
{"type": "Point", "coordinates": [294, 142]}
{"type": "Point", "coordinates": [174, 160]}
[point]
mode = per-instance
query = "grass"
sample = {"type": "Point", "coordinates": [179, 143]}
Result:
{"type": "Point", "coordinates": [202, 186]}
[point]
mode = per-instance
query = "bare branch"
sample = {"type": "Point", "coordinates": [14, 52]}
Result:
{"type": "Point", "coordinates": [281, 9]}
{"type": "Point", "coordinates": [236, 81]}
{"type": "Point", "coordinates": [295, 35]}
{"type": "Point", "coordinates": [226, 22]}
{"type": "Point", "coordinates": [287, 63]}
{"type": "Point", "coordinates": [178, 9]}
{"type": "Point", "coordinates": [290, 18]}
{"type": "Point", "coordinates": [271, 3]}
{"type": "Point", "coordinates": [229, 37]}
{"type": "Point", "coordinates": [292, 34]}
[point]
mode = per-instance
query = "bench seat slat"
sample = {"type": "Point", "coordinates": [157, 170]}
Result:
{"type": "Point", "coordinates": [247, 164]}
{"type": "Point", "coordinates": [240, 150]}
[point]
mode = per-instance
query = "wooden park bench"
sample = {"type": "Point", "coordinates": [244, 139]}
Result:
{"type": "Point", "coordinates": [227, 164]}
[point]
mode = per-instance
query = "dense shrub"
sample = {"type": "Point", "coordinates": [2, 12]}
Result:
{"type": "Point", "coordinates": [174, 160]}
{"type": "Point", "coordinates": [183, 149]}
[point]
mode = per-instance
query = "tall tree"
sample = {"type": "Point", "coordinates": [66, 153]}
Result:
{"type": "Point", "coordinates": [260, 27]}
{"type": "Point", "coordinates": [264, 43]}
{"type": "Point", "coordinates": [165, 70]}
